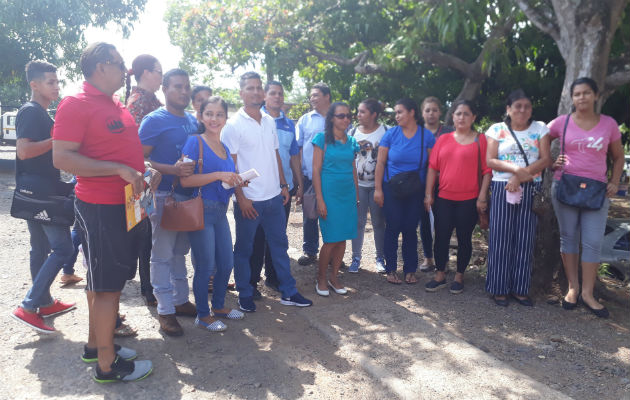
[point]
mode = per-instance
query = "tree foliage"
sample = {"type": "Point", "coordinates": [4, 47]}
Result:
{"type": "Point", "coordinates": [51, 30]}
{"type": "Point", "coordinates": [385, 49]}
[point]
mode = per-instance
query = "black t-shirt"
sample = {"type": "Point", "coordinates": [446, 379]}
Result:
{"type": "Point", "coordinates": [34, 123]}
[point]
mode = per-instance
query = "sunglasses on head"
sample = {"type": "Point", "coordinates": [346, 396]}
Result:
{"type": "Point", "coordinates": [342, 116]}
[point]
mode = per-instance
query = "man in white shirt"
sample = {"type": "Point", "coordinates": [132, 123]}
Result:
{"type": "Point", "coordinates": [251, 137]}
{"type": "Point", "coordinates": [309, 125]}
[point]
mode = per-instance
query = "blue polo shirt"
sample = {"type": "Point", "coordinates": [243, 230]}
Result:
{"type": "Point", "coordinates": [167, 133]}
{"type": "Point", "coordinates": [404, 154]}
{"type": "Point", "coordinates": [287, 144]}
{"type": "Point", "coordinates": [309, 125]}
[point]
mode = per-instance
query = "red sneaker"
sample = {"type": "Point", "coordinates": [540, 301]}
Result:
{"type": "Point", "coordinates": [32, 319]}
{"type": "Point", "coordinates": [57, 307]}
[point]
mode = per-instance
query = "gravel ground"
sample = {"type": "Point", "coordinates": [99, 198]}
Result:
{"type": "Point", "coordinates": [278, 352]}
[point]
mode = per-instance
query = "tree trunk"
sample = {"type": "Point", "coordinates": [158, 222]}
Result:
{"type": "Point", "coordinates": [587, 28]}
{"type": "Point", "coordinates": [583, 31]}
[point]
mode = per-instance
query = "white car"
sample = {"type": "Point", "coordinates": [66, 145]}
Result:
{"type": "Point", "coordinates": [7, 128]}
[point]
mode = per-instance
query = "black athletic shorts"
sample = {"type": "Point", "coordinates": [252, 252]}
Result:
{"type": "Point", "coordinates": [110, 251]}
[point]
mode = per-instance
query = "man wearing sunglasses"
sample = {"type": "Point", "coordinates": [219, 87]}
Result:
{"type": "Point", "coordinates": [96, 138]}
{"type": "Point", "coordinates": [307, 127]}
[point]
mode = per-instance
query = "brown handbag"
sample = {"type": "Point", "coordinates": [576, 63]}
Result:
{"type": "Point", "coordinates": [187, 215]}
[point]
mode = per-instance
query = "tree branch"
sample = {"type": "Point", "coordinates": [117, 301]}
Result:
{"type": "Point", "coordinates": [617, 79]}
{"type": "Point", "coordinates": [494, 40]}
{"type": "Point", "coordinates": [444, 60]}
{"type": "Point", "coordinates": [359, 62]}
{"type": "Point", "coordinates": [542, 17]}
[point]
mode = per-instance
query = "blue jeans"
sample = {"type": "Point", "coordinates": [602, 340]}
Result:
{"type": "Point", "coordinates": [75, 234]}
{"type": "Point", "coordinates": [51, 247]}
{"type": "Point", "coordinates": [272, 218]}
{"type": "Point", "coordinates": [212, 249]}
{"type": "Point", "coordinates": [366, 201]}
{"type": "Point", "coordinates": [168, 260]}
{"type": "Point", "coordinates": [310, 229]}
{"type": "Point", "coordinates": [426, 234]}
{"type": "Point", "coordinates": [401, 217]}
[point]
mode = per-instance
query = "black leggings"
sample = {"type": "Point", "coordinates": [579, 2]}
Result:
{"type": "Point", "coordinates": [461, 216]}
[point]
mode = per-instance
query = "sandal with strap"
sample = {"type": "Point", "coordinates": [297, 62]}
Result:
{"type": "Point", "coordinates": [393, 278]}
{"type": "Point", "coordinates": [410, 279]}
{"type": "Point", "coordinates": [125, 330]}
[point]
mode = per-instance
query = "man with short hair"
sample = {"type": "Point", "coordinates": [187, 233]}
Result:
{"type": "Point", "coordinates": [51, 245]}
{"type": "Point", "coordinates": [290, 156]}
{"type": "Point", "coordinates": [308, 126]}
{"type": "Point", "coordinates": [163, 134]}
{"type": "Point", "coordinates": [253, 142]}
{"type": "Point", "coordinates": [96, 138]}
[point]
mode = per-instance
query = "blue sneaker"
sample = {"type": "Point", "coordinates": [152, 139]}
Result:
{"type": "Point", "coordinates": [296, 300]}
{"type": "Point", "coordinates": [247, 304]}
{"type": "Point", "coordinates": [380, 265]}
{"type": "Point", "coordinates": [354, 267]}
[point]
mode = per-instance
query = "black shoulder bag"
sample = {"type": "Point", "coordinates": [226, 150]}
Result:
{"type": "Point", "coordinates": [407, 184]}
{"type": "Point", "coordinates": [538, 203]}
{"type": "Point", "coordinates": [43, 199]}
{"type": "Point", "coordinates": [577, 191]}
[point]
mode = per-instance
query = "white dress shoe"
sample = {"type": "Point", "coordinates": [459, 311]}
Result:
{"type": "Point", "coordinates": [324, 293]}
{"type": "Point", "coordinates": [343, 290]}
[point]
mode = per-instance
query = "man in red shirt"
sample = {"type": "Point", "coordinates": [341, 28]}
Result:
{"type": "Point", "coordinates": [96, 138]}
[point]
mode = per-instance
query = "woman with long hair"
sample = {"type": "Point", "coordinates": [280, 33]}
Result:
{"type": "Point", "coordinates": [587, 139]}
{"type": "Point", "coordinates": [431, 109]}
{"type": "Point", "coordinates": [368, 133]}
{"type": "Point", "coordinates": [212, 246]}
{"type": "Point", "coordinates": [460, 159]}
{"type": "Point", "coordinates": [141, 99]}
{"type": "Point", "coordinates": [403, 155]}
{"type": "Point", "coordinates": [335, 184]}
{"type": "Point", "coordinates": [518, 151]}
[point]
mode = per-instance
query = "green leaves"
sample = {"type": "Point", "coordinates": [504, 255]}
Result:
{"type": "Point", "coordinates": [51, 30]}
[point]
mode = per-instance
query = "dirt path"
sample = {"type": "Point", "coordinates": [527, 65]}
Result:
{"type": "Point", "coordinates": [381, 341]}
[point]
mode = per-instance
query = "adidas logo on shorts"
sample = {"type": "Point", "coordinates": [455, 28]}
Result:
{"type": "Point", "coordinates": [42, 215]}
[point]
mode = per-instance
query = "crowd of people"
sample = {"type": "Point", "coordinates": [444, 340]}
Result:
{"type": "Point", "coordinates": [419, 175]}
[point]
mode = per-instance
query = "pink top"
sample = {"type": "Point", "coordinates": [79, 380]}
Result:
{"type": "Point", "coordinates": [586, 150]}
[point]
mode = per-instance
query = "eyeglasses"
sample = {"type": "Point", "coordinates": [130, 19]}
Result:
{"type": "Point", "coordinates": [119, 64]}
{"type": "Point", "coordinates": [159, 71]}
{"type": "Point", "coordinates": [342, 116]}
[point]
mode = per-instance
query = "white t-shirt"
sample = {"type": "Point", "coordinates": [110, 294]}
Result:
{"type": "Point", "coordinates": [366, 157]}
{"type": "Point", "coordinates": [509, 151]}
{"type": "Point", "coordinates": [254, 145]}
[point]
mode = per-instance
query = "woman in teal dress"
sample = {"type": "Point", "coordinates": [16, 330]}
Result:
{"type": "Point", "coordinates": [335, 183]}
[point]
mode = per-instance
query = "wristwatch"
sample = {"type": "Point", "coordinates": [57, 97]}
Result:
{"type": "Point", "coordinates": [284, 185]}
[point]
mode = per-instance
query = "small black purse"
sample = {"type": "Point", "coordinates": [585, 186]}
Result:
{"type": "Point", "coordinates": [577, 191]}
{"type": "Point", "coordinates": [407, 184]}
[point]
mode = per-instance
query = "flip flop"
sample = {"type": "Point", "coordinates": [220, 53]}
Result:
{"type": "Point", "coordinates": [69, 280]}
{"type": "Point", "coordinates": [125, 330]}
{"type": "Point", "coordinates": [393, 278]}
{"type": "Point", "coordinates": [411, 279]}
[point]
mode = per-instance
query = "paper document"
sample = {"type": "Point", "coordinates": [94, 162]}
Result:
{"type": "Point", "coordinates": [246, 176]}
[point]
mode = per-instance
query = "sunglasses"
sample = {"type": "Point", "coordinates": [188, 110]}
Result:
{"type": "Point", "coordinates": [342, 116]}
{"type": "Point", "coordinates": [119, 64]}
